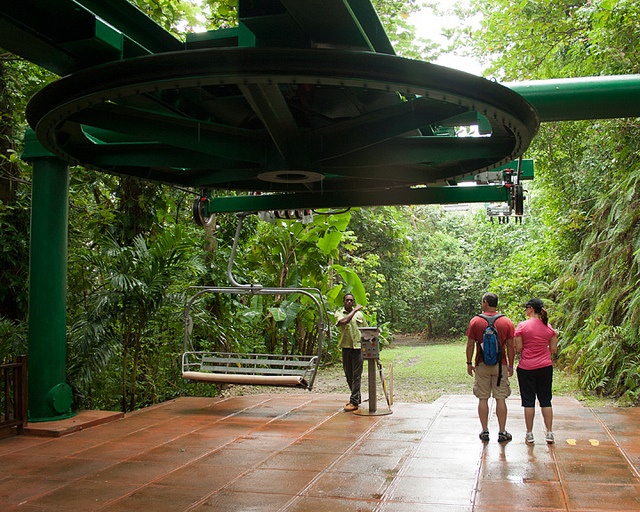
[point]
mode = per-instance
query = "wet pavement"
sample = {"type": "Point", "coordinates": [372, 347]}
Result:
{"type": "Point", "coordinates": [302, 452]}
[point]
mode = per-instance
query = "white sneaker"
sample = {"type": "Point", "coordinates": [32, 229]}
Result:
{"type": "Point", "coordinates": [549, 438]}
{"type": "Point", "coordinates": [529, 438]}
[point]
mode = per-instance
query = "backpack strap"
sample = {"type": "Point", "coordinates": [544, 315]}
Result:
{"type": "Point", "coordinates": [490, 318]}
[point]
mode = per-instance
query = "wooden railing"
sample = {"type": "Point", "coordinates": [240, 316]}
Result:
{"type": "Point", "coordinates": [13, 395]}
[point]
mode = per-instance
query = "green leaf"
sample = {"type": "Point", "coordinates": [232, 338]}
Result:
{"type": "Point", "coordinates": [278, 314]}
{"type": "Point", "coordinates": [329, 242]}
{"type": "Point", "coordinates": [353, 284]}
{"type": "Point", "coordinates": [340, 222]}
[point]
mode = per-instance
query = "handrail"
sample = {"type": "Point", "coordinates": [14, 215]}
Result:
{"type": "Point", "coordinates": [13, 394]}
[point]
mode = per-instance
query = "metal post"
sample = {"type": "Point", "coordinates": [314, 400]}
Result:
{"type": "Point", "coordinates": [373, 401]}
{"type": "Point", "coordinates": [371, 353]}
{"type": "Point", "coordinates": [49, 395]}
{"type": "Point", "coordinates": [21, 392]}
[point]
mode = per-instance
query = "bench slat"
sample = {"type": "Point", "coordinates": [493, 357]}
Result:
{"type": "Point", "coordinates": [251, 355]}
{"type": "Point", "coordinates": [250, 371]}
{"type": "Point", "coordinates": [255, 362]}
{"type": "Point", "coordinates": [250, 380]}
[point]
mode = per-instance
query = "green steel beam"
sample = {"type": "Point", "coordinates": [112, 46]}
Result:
{"type": "Point", "coordinates": [15, 39]}
{"type": "Point", "coordinates": [388, 197]}
{"type": "Point", "coordinates": [208, 138]}
{"type": "Point", "coordinates": [135, 24]}
{"type": "Point", "coordinates": [328, 22]}
{"type": "Point", "coordinates": [383, 124]}
{"type": "Point", "coordinates": [368, 20]}
{"type": "Point", "coordinates": [432, 150]}
{"type": "Point", "coordinates": [352, 24]}
{"type": "Point", "coordinates": [39, 31]}
{"type": "Point", "coordinates": [291, 23]}
{"type": "Point", "coordinates": [341, 23]}
{"type": "Point", "coordinates": [273, 110]}
{"type": "Point", "coordinates": [64, 36]}
{"type": "Point", "coordinates": [575, 99]}
{"type": "Point", "coordinates": [221, 38]}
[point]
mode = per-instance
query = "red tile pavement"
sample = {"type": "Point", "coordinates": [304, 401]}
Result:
{"type": "Point", "coordinates": [302, 452]}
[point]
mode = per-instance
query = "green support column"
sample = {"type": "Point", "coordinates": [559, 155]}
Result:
{"type": "Point", "coordinates": [49, 395]}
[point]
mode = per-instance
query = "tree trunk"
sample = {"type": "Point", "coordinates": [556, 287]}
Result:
{"type": "Point", "coordinates": [8, 170]}
{"type": "Point", "coordinates": [137, 208]}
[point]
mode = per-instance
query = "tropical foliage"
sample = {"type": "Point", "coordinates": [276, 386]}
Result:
{"type": "Point", "coordinates": [134, 252]}
{"type": "Point", "coordinates": [587, 178]}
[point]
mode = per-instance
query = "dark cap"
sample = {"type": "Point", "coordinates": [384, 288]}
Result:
{"type": "Point", "coordinates": [536, 304]}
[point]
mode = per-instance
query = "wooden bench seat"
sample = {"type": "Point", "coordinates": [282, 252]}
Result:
{"type": "Point", "coordinates": [249, 369]}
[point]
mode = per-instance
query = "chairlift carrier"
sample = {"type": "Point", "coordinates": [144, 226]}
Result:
{"type": "Point", "coordinates": [283, 370]}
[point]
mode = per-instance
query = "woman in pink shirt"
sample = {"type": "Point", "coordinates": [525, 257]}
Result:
{"type": "Point", "coordinates": [536, 340]}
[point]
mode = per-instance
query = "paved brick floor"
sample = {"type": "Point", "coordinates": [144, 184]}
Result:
{"type": "Point", "coordinates": [304, 453]}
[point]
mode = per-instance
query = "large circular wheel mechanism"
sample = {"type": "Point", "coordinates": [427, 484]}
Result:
{"type": "Point", "coordinates": [285, 120]}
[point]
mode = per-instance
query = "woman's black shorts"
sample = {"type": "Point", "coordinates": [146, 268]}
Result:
{"type": "Point", "coordinates": [534, 383]}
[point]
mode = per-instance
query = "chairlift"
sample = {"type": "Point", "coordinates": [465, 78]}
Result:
{"type": "Point", "coordinates": [280, 370]}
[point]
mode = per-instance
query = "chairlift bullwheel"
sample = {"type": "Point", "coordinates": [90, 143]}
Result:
{"type": "Point", "coordinates": [281, 120]}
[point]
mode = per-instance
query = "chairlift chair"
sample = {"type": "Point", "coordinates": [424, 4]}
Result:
{"type": "Point", "coordinates": [284, 370]}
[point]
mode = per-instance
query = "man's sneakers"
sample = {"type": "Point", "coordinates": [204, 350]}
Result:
{"type": "Point", "coordinates": [504, 437]}
{"type": "Point", "coordinates": [350, 407]}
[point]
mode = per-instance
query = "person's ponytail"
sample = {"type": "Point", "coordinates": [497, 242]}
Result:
{"type": "Point", "coordinates": [544, 317]}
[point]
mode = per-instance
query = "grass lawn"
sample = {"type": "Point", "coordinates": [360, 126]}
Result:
{"type": "Point", "coordinates": [423, 372]}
